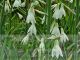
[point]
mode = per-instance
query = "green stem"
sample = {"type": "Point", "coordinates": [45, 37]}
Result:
{"type": "Point", "coordinates": [2, 19]}
{"type": "Point", "coordinates": [75, 31]}
{"type": "Point", "coordinates": [77, 18]}
{"type": "Point", "coordinates": [48, 22]}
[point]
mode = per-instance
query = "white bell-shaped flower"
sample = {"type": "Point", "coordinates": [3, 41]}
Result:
{"type": "Point", "coordinates": [7, 6]}
{"type": "Point", "coordinates": [56, 50]}
{"type": "Point", "coordinates": [31, 16]}
{"type": "Point", "coordinates": [20, 16]}
{"type": "Point", "coordinates": [78, 33]}
{"type": "Point", "coordinates": [32, 29]}
{"type": "Point", "coordinates": [42, 46]}
{"type": "Point", "coordinates": [62, 11]}
{"type": "Point", "coordinates": [56, 14]}
{"type": "Point", "coordinates": [71, 1]}
{"type": "Point", "coordinates": [63, 36]}
{"type": "Point", "coordinates": [55, 30]}
{"type": "Point", "coordinates": [23, 4]}
{"type": "Point", "coordinates": [17, 3]}
{"type": "Point", "coordinates": [25, 39]}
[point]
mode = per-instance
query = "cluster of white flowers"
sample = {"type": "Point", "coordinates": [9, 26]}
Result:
{"type": "Point", "coordinates": [56, 51]}
{"type": "Point", "coordinates": [31, 30]}
{"type": "Point", "coordinates": [56, 33]}
{"type": "Point", "coordinates": [31, 19]}
{"type": "Point", "coordinates": [61, 36]}
{"type": "Point", "coordinates": [59, 12]}
{"type": "Point", "coordinates": [17, 3]}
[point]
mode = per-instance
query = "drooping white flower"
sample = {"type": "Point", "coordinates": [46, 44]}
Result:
{"type": "Point", "coordinates": [20, 16]}
{"type": "Point", "coordinates": [56, 50]}
{"type": "Point", "coordinates": [32, 29]}
{"type": "Point", "coordinates": [7, 6]}
{"type": "Point", "coordinates": [25, 39]}
{"type": "Point", "coordinates": [55, 30]}
{"type": "Point", "coordinates": [55, 33]}
{"type": "Point", "coordinates": [62, 11]}
{"type": "Point", "coordinates": [17, 3]}
{"type": "Point", "coordinates": [79, 33]}
{"type": "Point", "coordinates": [31, 16]}
{"type": "Point", "coordinates": [23, 4]}
{"type": "Point", "coordinates": [42, 46]}
{"type": "Point", "coordinates": [63, 36]}
{"type": "Point", "coordinates": [56, 14]}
